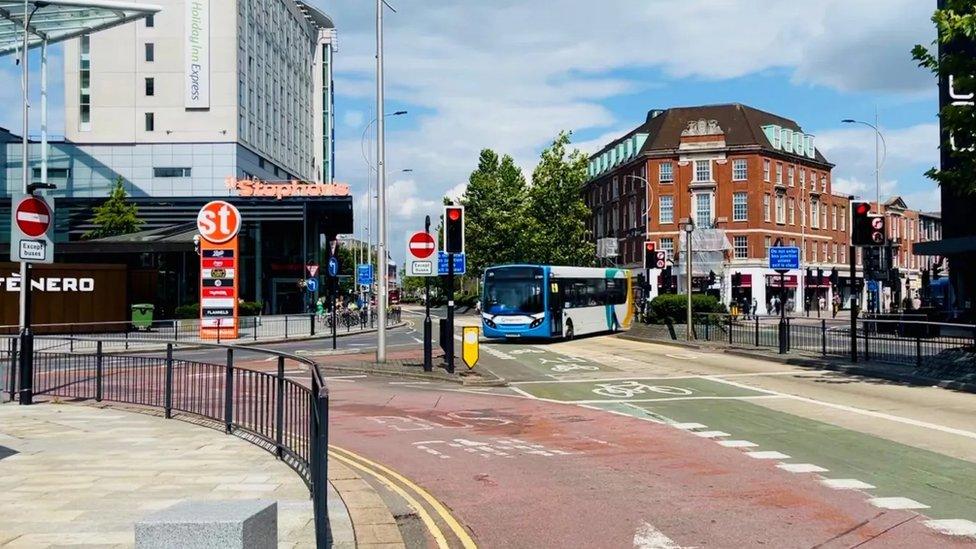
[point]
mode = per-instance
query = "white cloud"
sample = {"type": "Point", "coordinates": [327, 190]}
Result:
{"type": "Point", "coordinates": [353, 119]}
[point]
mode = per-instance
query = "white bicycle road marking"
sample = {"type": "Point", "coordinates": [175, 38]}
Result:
{"type": "Point", "coordinates": [462, 419]}
{"type": "Point", "coordinates": [498, 447]}
{"type": "Point", "coordinates": [630, 389]}
{"type": "Point", "coordinates": [563, 368]}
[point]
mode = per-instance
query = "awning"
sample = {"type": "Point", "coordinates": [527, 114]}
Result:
{"type": "Point", "coordinates": [59, 20]}
{"type": "Point", "coordinates": [773, 281]}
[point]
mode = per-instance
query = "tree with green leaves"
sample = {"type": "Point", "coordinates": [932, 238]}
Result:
{"type": "Point", "coordinates": [116, 216]}
{"type": "Point", "coordinates": [557, 214]}
{"type": "Point", "coordinates": [953, 55]}
{"type": "Point", "coordinates": [495, 213]}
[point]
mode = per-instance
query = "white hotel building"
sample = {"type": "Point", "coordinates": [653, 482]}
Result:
{"type": "Point", "coordinates": [181, 107]}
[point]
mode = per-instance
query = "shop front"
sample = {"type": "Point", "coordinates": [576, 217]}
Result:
{"type": "Point", "coordinates": [781, 291]}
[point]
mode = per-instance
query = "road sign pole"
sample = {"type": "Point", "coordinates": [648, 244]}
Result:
{"type": "Point", "coordinates": [428, 331]}
{"type": "Point", "coordinates": [449, 344]}
{"type": "Point", "coordinates": [855, 301]}
{"type": "Point", "coordinates": [334, 286]}
{"type": "Point", "coordinates": [782, 313]}
{"type": "Point", "coordinates": [26, 339]}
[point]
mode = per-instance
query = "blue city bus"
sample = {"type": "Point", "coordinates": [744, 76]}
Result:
{"type": "Point", "coordinates": [546, 302]}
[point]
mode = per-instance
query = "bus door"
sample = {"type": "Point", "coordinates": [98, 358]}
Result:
{"type": "Point", "coordinates": [556, 308]}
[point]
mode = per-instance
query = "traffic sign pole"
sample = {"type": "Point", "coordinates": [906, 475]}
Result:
{"type": "Point", "coordinates": [428, 331]}
{"type": "Point", "coordinates": [449, 344]}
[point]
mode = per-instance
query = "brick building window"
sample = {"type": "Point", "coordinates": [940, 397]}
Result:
{"type": "Point", "coordinates": [667, 245]}
{"type": "Point", "coordinates": [740, 207]}
{"type": "Point", "coordinates": [792, 212]}
{"type": "Point", "coordinates": [833, 218]}
{"type": "Point", "coordinates": [703, 170]}
{"type": "Point", "coordinates": [766, 208]}
{"type": "Point", "coordinates": [766, 170]}
{"type": "Point", "coordinates": [815, 214]}
{"type": "Point", "coordinates": [740, 170]}
{"type": "Point", "coordinates": [781, 209]}
{"type": "Point", "coordinates": [703, 210]}
{"type": "Point", "coordinates": [767, 244]}
{"type": "Point", "coordinates": [791, 176]}
{"type": "Point", "coordinates": [803, 179]}
{"type": "Point", "coordinates": [779, 173]}
{"type": "Point", "coordinates": [741, 246]}
{"type": "Point", "coordinates": [665, 172]}
{"type": "Point", "coordinates": [666, 210]}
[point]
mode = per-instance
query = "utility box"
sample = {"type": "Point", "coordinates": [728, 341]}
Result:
{"type": "Point", "coordinates": [142, 316]}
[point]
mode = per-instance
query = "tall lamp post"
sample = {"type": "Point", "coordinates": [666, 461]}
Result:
{"type": "Point", "coordinates": [689, 227]}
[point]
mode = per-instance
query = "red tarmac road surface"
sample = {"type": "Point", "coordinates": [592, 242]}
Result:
{"type": "Point", "coordinates": [614, 475]}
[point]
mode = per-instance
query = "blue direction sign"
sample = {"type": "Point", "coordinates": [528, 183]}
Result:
{"type": "Point", "coordinates": [460, 263]}
{"type": "Point", "coordinates": [312, 285]}
{"type": "Point", "coordinates": [784, 258]}
{"type": "Point", "coordinates": [873, 285]}
{"type": "Point", "coordinates": [333, 266]}
{"type": "Point", "coordinates": [364, 274]}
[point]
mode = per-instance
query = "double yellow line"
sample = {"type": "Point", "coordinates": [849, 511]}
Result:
{"type": "Point", "coordinates": [407, 490]}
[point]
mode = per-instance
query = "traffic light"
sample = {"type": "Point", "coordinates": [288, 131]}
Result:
{"type": "Point", "coordinates": [650, 255]}
{"type": "Point", "coordinates": [711, 278]}
{"type": "Point", "coordinates": [861, 224]}
{"type": "Point", "coordinates": [834, 278]}
{"type": "Point", "coordinates": [736, 280]}
{"type": "Point", "coordinates": [819, 277]}
{"type": "Point", "coordinates": [454, 229]}
{"type": "Point", "coordinates": [809, 275]}
{"type": "Point", "coordinates": [665, 280]}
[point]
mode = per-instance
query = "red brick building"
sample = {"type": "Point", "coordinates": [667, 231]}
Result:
{"type": "Point", "coordinates": [746, 178]}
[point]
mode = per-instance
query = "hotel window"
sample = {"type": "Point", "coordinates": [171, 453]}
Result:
{"type": "Point", "coordinates": [740, 207]}
{"type": "Point", "coordinates": [150, 87]}
{"type": "Point", "coordinates": [766, 170]}
{"type": "Point", "coordinates": [792, 212]}
{"type": "Point", "coordinates": [703, 210]}
{"type": "Point", "coordinates": [150, 52]}
{"type": "Point", "coordinates": [667, 245]}
{"type": "Point", "coordinates": [741, 246]}
{"type": "Point", "coordinates": [766, 208]}
{"type": "Point", "coordinates": [171, 172]}
{"type": "Point", "coordinates": [84, 75]}
{"type": "Point", "coordinates": [667, 209]}
{"type": "Point", "coordinates": [150, 122]}
{"type": "Point", "coordinates": [791, 176]}
{"type": "Point", "coordinates": [803, 179]}
{"type": "Point", "coordinates": [780, 209]}
{"type": "Point", "coordinates": [703, 170]}
{"type": "Point", "coordinates": [151, 21]}
{"type": "Point", "coordinates": [779, 173]}
{"type": "Point", "coordinates": [665, 172]}
{"type": "Point", "coordinates": [740, 170]}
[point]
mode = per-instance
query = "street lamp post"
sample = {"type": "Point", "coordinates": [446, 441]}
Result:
{"type": "Point", "coordinates": [689, 227]}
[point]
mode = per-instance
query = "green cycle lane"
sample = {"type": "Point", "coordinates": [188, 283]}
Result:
{"type": "Point", "coordinates": [947, 485]}
{"type": "Point", "coordinates": [525, 361]}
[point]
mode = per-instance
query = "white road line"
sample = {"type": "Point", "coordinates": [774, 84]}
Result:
{"type": "Point", "coordinates": [737, 444]}
{"type": "Point", "coordinates": [418, 340]}
{"type": "Point", "coordinates": [649, 537]}
{"type": "Point", "coordinates": [409, 383]}
{"type": "Point", "coordinates": [357, 376]}
{"type": "Point", "coordinates": [702, 376]}
{"type": "Point", "coordinates": [663, 399]}
{"type": "Point", "coordinates": [801, 468]}
{"type": "Point", "coordinates": [711, 434]}
{"type": "Point", "coordinates": [767, 455]}
{"type": "Point", "coordinates": [953, 527]}
{"type": "Point", "coordinates": [689, 426]}
{"type": "Point", "coordinates": [870, 413]}
{"type": "Point", "coordinates": [846, 484]}
{"type": "Point", "coordinates": [897, 503]}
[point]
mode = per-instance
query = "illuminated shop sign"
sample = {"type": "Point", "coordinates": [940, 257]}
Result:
{"type": "Point", "coordinates": [256, 188]}
{"type": "Point", "coordinates": [50, 284]}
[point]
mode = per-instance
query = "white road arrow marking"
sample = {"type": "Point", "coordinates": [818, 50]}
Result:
{"type": "Point", "coordinates": [649, 537]}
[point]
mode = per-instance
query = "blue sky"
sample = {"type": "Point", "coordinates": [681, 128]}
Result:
{"type": "Point", "coordinates": [510, 74]}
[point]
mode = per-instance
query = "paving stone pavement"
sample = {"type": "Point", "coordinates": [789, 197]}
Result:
{"type": "Point", "coordinates": [74, 475]}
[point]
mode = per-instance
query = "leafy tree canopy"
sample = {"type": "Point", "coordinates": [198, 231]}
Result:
{"type": "Point", "coordinates": [956, 24]}
{"type": "Point", "coordinates": [117, 216]}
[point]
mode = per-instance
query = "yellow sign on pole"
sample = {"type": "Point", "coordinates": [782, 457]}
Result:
{"type": "Point", "coordinates": [469, 344]}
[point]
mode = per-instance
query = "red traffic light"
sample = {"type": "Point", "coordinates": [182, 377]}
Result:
{"type": "Point", "coordinates": [454, 214]}
{"type": "Point", "coordinates": [862, 208]}
{"type": "Point", "coordinates": [649, 246]}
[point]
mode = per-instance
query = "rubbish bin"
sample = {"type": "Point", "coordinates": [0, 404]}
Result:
{"type": "Point", "coordinates": [142, 316]}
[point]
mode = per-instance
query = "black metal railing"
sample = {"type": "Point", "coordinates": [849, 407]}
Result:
{"type": "Point", "coordinates": [908, 342]}
{"type": "Point", "coordinates": [286, 416]}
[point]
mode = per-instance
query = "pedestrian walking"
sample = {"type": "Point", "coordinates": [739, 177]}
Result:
{"type": "Point", "coordinates": [836, 304]}
{"type": "Point", "coordinates": [755, 309]}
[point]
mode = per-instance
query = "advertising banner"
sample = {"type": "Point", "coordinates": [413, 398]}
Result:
{"type": "Point", "coordinates": [219, 223]}
{"type": "Point", "coordinates": [197, 54]}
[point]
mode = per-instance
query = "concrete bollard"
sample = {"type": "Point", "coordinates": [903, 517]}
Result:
{"type": "Point", "coordinates": [241, 524]}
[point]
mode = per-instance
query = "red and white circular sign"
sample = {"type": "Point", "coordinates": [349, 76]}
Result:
{"type": "Point", "coordinates": [33, 217]}
{"type": "Point", "coordinates": [218, 221]}
{"type": "Point", "coordinates": [421, 245]}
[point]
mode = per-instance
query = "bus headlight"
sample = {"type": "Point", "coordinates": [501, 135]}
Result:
{"type": "Point", "coordinates": [489, 323]}
{"type": "Point", "coordinates": [536, 323]}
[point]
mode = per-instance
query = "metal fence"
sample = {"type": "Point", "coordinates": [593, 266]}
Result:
{"type": "Point", "coordinates": [285, 416]}
{"type": "Point", "coordinates": [909, 342]}
{"type": "Point", "coordinates": [128, 336]}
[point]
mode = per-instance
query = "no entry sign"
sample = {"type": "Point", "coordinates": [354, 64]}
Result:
{"type": "Point", "coordinates": [421, 252]}
{"type": "Point", "coordinates": [31, 219]}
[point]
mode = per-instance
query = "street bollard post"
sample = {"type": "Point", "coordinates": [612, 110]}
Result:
{"type": "Point", "coordinates": [229, 393]}
{"type": "Point", "coordinates": [823, 336]}
{"type": "Point", "coordinates": [169, 381]}
{"type": "Point", "coordinates": [280, 409]}
{"type": "Point", "coordinates": [98, 371]}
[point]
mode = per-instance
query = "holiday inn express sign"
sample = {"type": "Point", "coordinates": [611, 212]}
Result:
{"type": "Point", "coordinates": [197, 54]}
